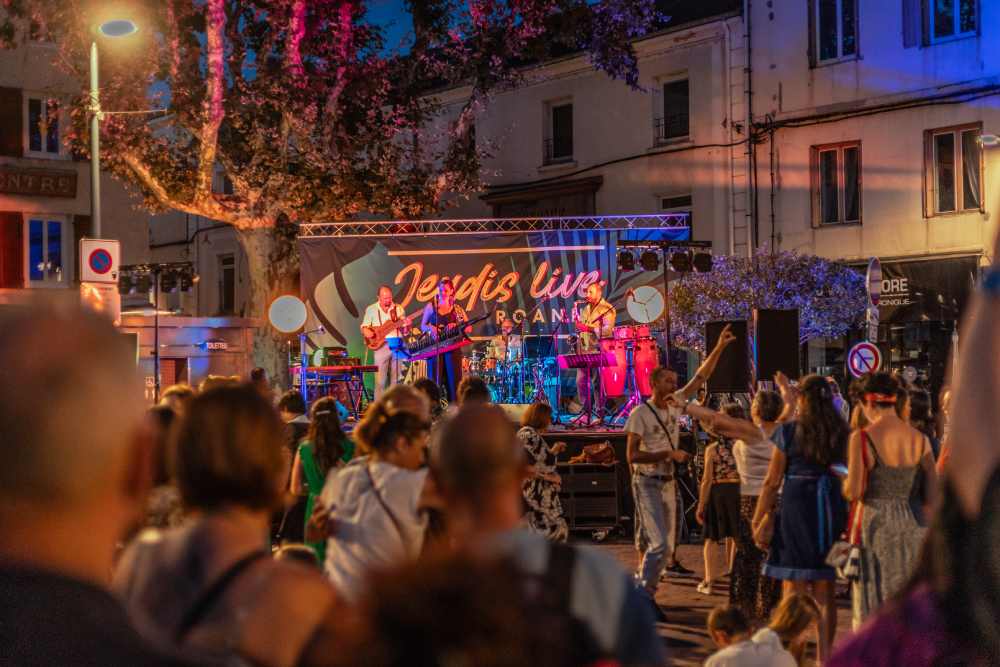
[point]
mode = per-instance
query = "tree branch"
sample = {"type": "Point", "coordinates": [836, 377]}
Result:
{"type": "Point", "coordinates": [213, 111]}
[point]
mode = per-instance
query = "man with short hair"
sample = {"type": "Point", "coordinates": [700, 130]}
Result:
{"type": "Point", "coordinates": [386, 358]}
{"type": "Point", "coordinates": [75, 470]}
{"type": "Point", "coordinates": [652, 449]}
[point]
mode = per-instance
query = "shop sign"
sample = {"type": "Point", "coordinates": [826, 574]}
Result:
{"type": "Point", "coordinates": [215, 345]}
{"type": "Point", "coordinates": [924, 290]}
{"type": "Point", "coordinates": [37, 182]}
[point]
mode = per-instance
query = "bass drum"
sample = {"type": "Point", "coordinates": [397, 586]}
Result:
{"type": "Point", "coordinates": [613, 377]}
{"type": "Point", "coordinates": [646, 358]}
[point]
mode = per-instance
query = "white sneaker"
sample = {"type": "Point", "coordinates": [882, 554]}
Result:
{"type": "Point", "coordinates": [705, 588]}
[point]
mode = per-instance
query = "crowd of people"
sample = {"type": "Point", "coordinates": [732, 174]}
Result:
{"type": "Point", "coordinates": [228, 525]}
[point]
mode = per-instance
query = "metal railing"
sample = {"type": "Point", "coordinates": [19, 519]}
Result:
{"type": "Point", "coordinates": [669, 128]}
{"type": "Point", "coordinates": [555, 151]}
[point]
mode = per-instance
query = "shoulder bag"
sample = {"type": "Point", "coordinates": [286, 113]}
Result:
{"type": "Point", "coordinates": [845, 554]}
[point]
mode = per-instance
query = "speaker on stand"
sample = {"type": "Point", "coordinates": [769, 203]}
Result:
{"type": "Point", "coordinates": [776, 334]}
{"type": "Point", "coordinates": [732, 374]}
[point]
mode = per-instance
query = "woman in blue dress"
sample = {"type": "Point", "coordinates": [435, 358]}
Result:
{"type": "Point", "coordinates": [812, 509]}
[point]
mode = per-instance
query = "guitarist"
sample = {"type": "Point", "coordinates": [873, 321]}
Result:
{"type": "Point", "coordinates": [377, 314]}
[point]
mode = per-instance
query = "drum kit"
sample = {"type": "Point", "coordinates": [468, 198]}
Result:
{"type": "Point", "coordinates": [629, 357]}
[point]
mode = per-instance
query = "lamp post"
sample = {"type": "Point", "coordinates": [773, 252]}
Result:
{"type": "Point", "coordinates": [115, 28]}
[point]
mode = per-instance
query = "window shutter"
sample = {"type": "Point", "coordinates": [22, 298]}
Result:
{"type": "Point", "coordinates": [912, 23]}
{"type": "Point", "coordinates": [930, 182]}
{"type": "Point", "coordinates": [813, 47]}
{"type": "Point", "coordinates": [11, 250]}
{"type": "Point", "coordinates": [814, 186]}
{"type": "Point", "coordinates": [11, 123]}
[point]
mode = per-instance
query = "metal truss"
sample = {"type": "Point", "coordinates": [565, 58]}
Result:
{"type": "Point", "coordinates": [361, 228]}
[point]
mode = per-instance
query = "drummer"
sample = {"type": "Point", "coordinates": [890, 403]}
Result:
{"type": "Point", "coordinates": [506, 346]}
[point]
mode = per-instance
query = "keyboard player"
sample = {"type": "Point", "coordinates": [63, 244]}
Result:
{"type": "Point", "coordinates": [442, 319]}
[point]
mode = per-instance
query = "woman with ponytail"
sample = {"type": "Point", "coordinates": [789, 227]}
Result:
{"type": "Point", "coordinates": [813, 513]}
{"type": "Point", "coordinates": [325, 448]}
{"type": "Point", "coordinates": [371, 512]}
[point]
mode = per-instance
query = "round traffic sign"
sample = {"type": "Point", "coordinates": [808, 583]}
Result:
{"type": "Point", "coordinates": [863, 358]}
{"type": "Point", "coordinates": [100, 261]}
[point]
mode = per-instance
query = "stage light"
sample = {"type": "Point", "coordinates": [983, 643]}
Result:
{"type": "Point", "coordinates": [169, 281]}
{"type": "Point", "coordinates": [702, 262]}
{"type": "Point", "coordinates": [143, 283]}
{"type": "Point", "coordinates": [188, 280]}
{"type": "Point", "coordinates": [125, 283]}
{"type": "Point", "coordinates": [626, 261]}
{"type": "Point", "coordinates": [650, 260]}
{"type": "Point", "coordinates": [681, 262]}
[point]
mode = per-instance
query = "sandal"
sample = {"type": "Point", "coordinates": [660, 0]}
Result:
{"type": "Point", "coordinates": [705, 588]}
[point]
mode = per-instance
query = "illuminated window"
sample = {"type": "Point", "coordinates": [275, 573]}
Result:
{"type": "Point", "coordinates": [836, 29]}
{"type": "Point", "coordinates": [45, 251]}
{"type": "Point", "coordinates": [952, 18]}
{"type": "Point", "coordinates": [43, 138]}
{"type": "Point", "coordinates": [836, 178]}
{"type": "Point", "coordinates": [954, 170]}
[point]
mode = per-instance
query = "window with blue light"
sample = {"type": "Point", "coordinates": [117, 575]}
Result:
{"type": "Point", "coordinates": [45, 250]}
{"type": "Point", "coordinates": [836, 26]}
{"type": "Point", "coordinates": [952, 18]}
{"type": "Point", "coordinates": [837, 184]}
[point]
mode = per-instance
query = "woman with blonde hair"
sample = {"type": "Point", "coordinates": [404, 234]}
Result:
{"type": "Point", "coordinates": [372, 512]}
{"type": "Point", "coordinates": [791, 621]}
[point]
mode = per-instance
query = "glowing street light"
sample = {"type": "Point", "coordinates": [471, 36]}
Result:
{"type": "Point", "coordinates": [114, 28]}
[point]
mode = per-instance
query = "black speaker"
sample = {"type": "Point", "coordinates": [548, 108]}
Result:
{"type": "Point", "coordinates": [777, 342]}
{"type": "Point", "coordinates": [732, 375]}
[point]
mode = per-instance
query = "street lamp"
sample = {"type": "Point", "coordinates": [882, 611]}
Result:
{"type": "Point", "coordinates": [114, 28]}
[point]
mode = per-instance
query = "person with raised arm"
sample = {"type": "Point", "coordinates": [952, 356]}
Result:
{"type": "Point", "coordinates": [652, 449]}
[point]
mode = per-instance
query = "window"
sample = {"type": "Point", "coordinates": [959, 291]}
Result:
{"type": "Point", "coordinates": [675, 123]}
{"type": "Point", "coordinates": [678, 204]}
{"type": "Point", "coordinates": [954, 170]}
{"type": "Point", "coordinates": [836, 191]}
{"type": "Point", "coordinates": [836, 30]}
{"type": "Point", "coordinates": [559, 140]}
{"type": "Point", "coordinates": [45, 250]}
{"type": "Point", "coordinates": [952, 18]}
{"type": "Point", "coordinates": [227, 284]}
{"type": "Point", "coordinates": [43, 138]}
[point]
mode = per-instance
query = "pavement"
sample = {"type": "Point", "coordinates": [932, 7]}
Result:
{"type": "Point", "coordinates": [684, 633]}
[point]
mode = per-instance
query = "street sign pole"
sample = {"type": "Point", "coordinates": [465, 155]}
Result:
{"type": "Point", "coordinates": [874, 280]}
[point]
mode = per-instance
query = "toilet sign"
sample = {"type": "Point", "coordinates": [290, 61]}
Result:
{"type": "Point", "coordinates": [99, 260]}
{"type": "Point", "coordinates": [863, 358]}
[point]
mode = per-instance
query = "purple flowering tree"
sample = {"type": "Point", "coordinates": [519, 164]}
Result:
{"type": "Point", "coordinates": [830, 297]}
{"type": "Point", "coordinates": [302, 105]}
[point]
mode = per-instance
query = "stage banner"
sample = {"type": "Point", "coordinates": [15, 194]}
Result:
{"type": "Point", "coordinates": [534, 278]}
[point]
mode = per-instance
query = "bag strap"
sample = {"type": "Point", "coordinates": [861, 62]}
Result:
{"type": "Point", "coordinates": [660, 422]}
{"type": "Point", "coordinates": [558, 579]}
{"type": "Point", "coordinates": [385, 505]}
{"type": "Point", "coordinates": [211, 595]}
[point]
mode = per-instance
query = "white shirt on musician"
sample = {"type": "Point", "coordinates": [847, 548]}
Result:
{"type": "Point", "coordinates": [375, 317]}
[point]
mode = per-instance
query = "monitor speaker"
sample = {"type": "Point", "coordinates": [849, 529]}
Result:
{"type": "Point", "coordinates": [777, 343]}
{"type": "Point", "coordinates": [732, 374]}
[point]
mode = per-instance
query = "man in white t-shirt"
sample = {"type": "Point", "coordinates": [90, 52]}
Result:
{"type": "Point", "coordinates": [377, 314]}
{"type": "Point", "coordinates": [652, 449]}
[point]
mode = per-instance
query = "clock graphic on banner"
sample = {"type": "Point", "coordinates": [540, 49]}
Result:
{"type": "Point", "coordinates": [644, 304]}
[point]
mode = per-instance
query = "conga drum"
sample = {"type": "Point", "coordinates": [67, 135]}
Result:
{"type": "Point", "coordinates": [646, 357]}
{"type": "Point", "coordinates": [613, 377]}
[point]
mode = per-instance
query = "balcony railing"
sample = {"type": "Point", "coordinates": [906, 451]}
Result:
{"type": "Point", "coordinates": [672, 127]}
{"type": "Point", "coordinates": [555, 151]}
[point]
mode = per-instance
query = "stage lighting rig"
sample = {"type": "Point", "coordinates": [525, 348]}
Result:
{"type": "Point", "coordinates": [626, 261]}
{"type": "Point", "coordinates": [650, 260]}
{"type": "Point", "coordinates": [681, 261]}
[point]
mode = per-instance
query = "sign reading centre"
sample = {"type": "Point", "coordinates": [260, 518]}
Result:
{"type": "Point", "coordinates": [99, 260]}
{"type": "Point", "coordinates": [863, 358]}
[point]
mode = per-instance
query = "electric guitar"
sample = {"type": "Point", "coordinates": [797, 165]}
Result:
{"type": "Point", "coordinates": [378, 334]}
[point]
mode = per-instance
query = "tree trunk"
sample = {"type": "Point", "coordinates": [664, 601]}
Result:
{"type": "Point", "coordinates": [273, 264]}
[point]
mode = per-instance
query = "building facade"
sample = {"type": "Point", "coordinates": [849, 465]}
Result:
{"type": "Point", "coordinates": [870, 117]}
